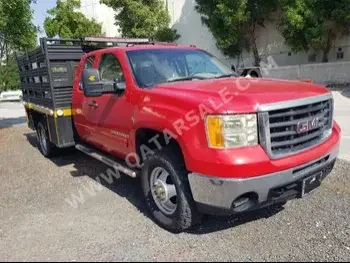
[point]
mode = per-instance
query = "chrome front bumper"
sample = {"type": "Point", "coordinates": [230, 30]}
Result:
{"type": "Point", "coordinates": [221, 193]}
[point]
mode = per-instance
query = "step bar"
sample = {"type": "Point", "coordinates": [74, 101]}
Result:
{"type": "Point", "coordinates": [106, 159]}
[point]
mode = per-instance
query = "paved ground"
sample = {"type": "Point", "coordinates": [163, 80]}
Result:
{"type": "Point", "coordinates": [342, 116]}
{"type": "Point", "coordinates": [37, 223]}
{"type": "Point", "coordinates": [11, 114]}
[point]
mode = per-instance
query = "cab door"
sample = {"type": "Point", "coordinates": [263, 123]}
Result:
{"type": "Point", "coordinates": [113, 111]}
{"type": "Point", "coordinates": [83, 113]}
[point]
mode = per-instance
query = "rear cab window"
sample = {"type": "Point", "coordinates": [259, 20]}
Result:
{"type": "Point", "coordinates": [88, 63]}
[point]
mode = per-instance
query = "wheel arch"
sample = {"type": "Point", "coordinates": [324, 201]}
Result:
{"type": "Point", "coordinates": [150, 136]}
{"type": "Point", "coordinates": [37, 117]}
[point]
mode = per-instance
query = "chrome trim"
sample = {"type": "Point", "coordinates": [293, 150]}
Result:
{"type": "Point", "coordinates": [264, 131]}
{"type": "Point", "coordinates": [264, 124]}
{"type": "Point", "coordinates": [294, 103]}
{"type": "Point", "coordinates": [221, 192]}
{"type": "Point", "coordinates": [106, 159]}
{"type": "Point", "coordinates": [331, 113]}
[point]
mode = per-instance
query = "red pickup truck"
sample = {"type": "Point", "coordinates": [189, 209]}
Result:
{"type": "Point", "coordinates": [201, 139]}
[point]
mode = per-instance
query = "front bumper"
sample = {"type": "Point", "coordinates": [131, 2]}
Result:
{"type": "Point", "coordinates": [221, 196]}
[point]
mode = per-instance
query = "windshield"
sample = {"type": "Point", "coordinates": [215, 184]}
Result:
{"type": "Point", "coordinates": [154, 66]}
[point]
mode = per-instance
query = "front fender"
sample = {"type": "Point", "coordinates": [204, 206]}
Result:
{"type": "Point", "coordinates": [184, 124]}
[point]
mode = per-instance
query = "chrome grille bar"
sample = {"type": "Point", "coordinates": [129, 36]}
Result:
{"type": "Point", "coordinates": [279, 124]}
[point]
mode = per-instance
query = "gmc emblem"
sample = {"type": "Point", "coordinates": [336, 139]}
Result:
{"type": "Point", "coordinates": [305, 126]}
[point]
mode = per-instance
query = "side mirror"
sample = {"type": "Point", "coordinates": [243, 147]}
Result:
{"type": "Point", "coordinates": [92, 84]}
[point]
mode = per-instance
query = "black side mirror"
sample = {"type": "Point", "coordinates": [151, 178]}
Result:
{"type": "Point", "coordinates": [93, 86]}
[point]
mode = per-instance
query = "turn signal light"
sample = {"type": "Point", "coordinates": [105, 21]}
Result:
{"type": "Point", "coordinates": [215, 127]}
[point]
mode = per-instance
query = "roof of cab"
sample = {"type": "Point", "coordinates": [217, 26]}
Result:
{"type": "Point", "coordinates": [150, 46]}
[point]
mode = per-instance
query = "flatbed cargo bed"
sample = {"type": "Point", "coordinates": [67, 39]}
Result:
{"type": "Point", "coordinates": [47, 72]}
{"type": "Point", "coordinates": [47, 77]}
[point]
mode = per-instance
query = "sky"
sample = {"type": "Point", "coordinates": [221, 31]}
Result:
{"type": "Point", "coordinates": [39, 15]}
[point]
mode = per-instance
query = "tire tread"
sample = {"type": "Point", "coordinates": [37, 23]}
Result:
{"type": "Point", "coordinates": [188, 215]}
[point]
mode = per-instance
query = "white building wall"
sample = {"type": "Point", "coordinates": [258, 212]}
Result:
{"type": "Point", "coordinates": [270, 43]}
{"type": "Point", "coordinates": [102, 13]}
{"type": "Point", "coordinates": [188, 23]}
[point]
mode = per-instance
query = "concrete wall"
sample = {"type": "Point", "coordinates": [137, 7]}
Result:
{"type": "Point", "coordinates": [325, 73]}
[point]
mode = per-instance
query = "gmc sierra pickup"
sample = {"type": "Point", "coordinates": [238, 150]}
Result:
{"type": "Point", "coordinates": [201, 138]}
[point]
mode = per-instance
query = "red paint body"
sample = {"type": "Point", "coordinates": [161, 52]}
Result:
{"type": "Point", "coordinates": [158, 108]}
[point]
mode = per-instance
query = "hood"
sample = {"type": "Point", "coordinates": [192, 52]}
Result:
{"type": "Point", "coordinates": [238, 95]}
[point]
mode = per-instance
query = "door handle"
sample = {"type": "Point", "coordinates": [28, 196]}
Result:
{"type": "Point", "coordinates": [93, 104]}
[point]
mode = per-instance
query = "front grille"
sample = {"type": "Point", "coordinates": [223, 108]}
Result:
{"type": "Point", "coordinates": [293, 129]}
{"type": "Point", "coordinates": [318, 163]}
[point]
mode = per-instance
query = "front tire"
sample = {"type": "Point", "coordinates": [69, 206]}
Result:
{"type": "Point", "coordinates": [167, 191]}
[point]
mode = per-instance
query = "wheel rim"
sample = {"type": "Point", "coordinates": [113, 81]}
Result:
{"type": "Point", "coordinates": [163, 191]}
{"type": "Point", "coordinates": [42, 138]}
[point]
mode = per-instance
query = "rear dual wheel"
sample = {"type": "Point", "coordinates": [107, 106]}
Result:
{"type": "Point", "coordinates": [46, 147]}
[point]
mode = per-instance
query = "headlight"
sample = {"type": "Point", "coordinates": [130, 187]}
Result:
{"type": "Point", "coordinates": [232, 131]}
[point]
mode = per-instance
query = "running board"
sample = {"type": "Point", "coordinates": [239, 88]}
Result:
{"type": "Point", "coordinates": [105, 159]}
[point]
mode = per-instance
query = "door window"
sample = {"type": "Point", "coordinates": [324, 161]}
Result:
{"type": "Point", "coordinates": [110, 68]}
{"type": "Point", "coordinates": [111, 71]}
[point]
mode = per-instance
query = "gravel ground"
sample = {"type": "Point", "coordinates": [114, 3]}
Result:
{"type": "Point", "coordinates": [37, 224]}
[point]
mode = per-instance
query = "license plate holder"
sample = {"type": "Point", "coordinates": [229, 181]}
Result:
{"type": "Point", "coordinates": [311, 183]}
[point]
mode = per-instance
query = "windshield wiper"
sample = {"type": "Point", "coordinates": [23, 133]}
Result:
{"type": "Point", "coordinates": [226, 75]}
{"type": "Point", "coordinates": [198, 77]}
{"type": "Point", "coordinates": [185, 78]}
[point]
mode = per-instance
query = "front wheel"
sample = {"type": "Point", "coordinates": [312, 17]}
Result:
{"type": "Point", "coordinates": [167, 192]}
